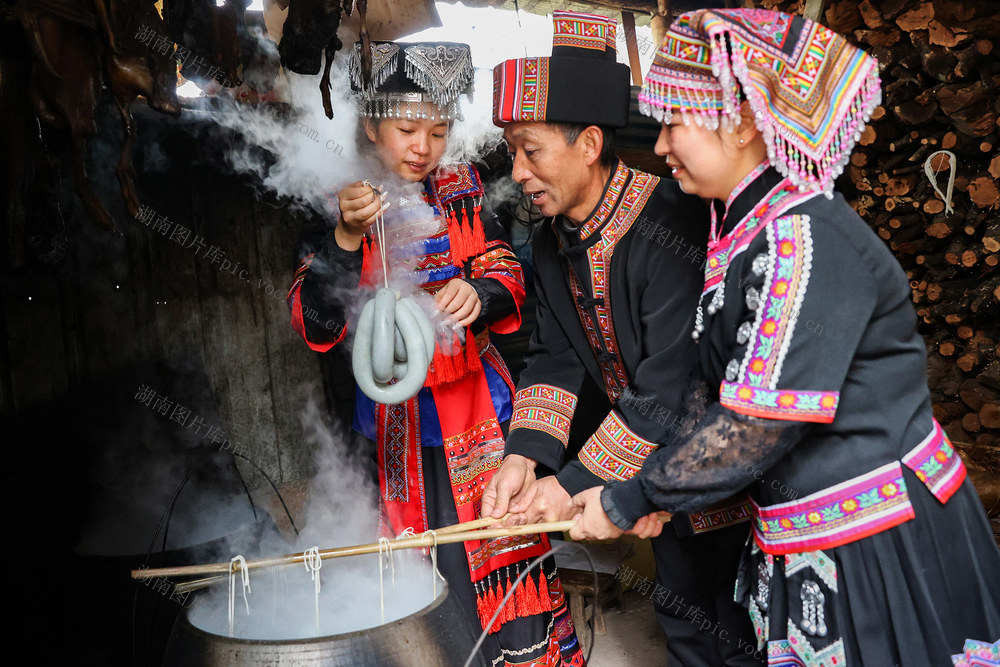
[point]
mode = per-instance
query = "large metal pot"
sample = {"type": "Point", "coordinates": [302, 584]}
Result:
{"type": "Point", "coordinates": [438, 634]}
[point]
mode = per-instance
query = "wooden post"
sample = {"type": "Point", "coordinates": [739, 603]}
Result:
{"type": "Point", "coordinates": [628, 22]}
{"type": "Point", "coordinates": [661, 21]}
{"type": "Point", "coordinates": [814, 10]}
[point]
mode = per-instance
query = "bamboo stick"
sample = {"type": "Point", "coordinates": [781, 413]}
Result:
{"type": "Point", "coordinates": [198, 584]}
{"type": "Point", "coordinates": [485, 522]}
{"type": "Point", "coordinates": [456, 528]}
{"type": "Point", "coordinates": [422, 540]}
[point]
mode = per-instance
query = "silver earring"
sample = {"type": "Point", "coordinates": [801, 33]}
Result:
{"type": "Point", "coordinates": [741, 141]}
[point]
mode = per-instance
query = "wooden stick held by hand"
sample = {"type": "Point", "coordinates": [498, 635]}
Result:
{"type": "Point", "coordinates": [447, 535]}
{"type": "Point", "coordinates": [198, 584]}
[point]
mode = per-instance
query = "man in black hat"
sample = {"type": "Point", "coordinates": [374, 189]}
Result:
{"type": "Point", "coordinates": [618, 276]}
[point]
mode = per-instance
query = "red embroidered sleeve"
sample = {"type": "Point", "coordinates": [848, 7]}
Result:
{"type": "Point", "coordinates": [500, 263]}
{"type": "Point", "coordinates": [298, 313]}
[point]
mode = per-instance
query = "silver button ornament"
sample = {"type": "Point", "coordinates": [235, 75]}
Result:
{"type": "Point", "coordinates": [813, 614]}
{"type": "Point", "coordinates": [699, 323]}
{"type": "Point", "coordinates": [743, 333]}
{"type": "Point", "coordinates": [717, 299]}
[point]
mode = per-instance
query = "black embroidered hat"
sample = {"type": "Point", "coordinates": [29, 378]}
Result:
{"type": "Point", "coordinates": [405, 75]}
{"type": "Point", "coordinates": [581, 82]}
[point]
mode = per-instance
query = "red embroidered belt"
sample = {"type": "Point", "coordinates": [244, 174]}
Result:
{"type": "Point", "coordinates": [861, 506]}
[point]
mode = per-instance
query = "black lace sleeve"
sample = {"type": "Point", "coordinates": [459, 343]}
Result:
{"type": "Point", "coordinates": [714, 455]}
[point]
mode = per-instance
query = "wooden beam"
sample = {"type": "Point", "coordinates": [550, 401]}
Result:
{"type": "Point", "coordinates": [624, 5]}
{"type": "Point", "coordinates": [628, 23]}
{"type": "Point", "coordinates": [644, 7]}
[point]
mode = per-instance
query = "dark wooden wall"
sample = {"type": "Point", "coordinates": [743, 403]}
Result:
{"type": "Point", "coordinates": [101, 481]}
{"type": "Point", "coordinates": [81, 305]}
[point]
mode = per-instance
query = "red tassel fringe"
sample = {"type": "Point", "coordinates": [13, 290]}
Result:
{"type": "Point", "coordinates": [491, 608]}
{"type": "Point", "coordinates": [528, 600]}
{"type": "Point", "coordinates": [450, 367]}
{"type": "Point", "coordinates": [481, 607]}
{"type": "Point", "coordinates": [466, 237]}
{"type": "Point", "coordinates": [478, 235]}
{"type": "Point", "coordinates": [532, 604]}
{"type": "Point", "coordinates": [467, 248]}
{"type": "Point", "coordinates": [509, 611]}
{"type": "Point", "coordinates": [456, 239]}
{"type": "Point", "coordinates": [472, 360]}
{"type": "Point", "coordinates": [442, 368]}
{"type": "Point", "coordinates": [543, 593]}
{"type": "Point", "coordinates": [500, 617]}
{"type": "Point", "coordinates": [367, 261]}
{"type": "Point", "coordinates": [520, 599]}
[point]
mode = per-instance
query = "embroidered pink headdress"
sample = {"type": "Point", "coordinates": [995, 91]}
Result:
{"type": "Point", "coordinates": [810, 90]}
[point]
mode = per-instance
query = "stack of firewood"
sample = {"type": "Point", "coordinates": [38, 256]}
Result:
{"type": "Point", "coordinates": [940, 68]}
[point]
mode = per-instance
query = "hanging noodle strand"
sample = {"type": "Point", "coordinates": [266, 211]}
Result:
{"type": "Point", "coordinates": [434, 560]}
{"type": "Point", "coordinates": [384, 546]}
{"type": "Point", "coordinates": [313, 563]}
{"type": "Point", "coordinates": [379, 227]}
{"type": "Point", "coordinates": [245, 575]}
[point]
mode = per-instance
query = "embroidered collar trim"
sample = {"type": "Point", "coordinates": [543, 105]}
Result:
{"type": "Point", "coordinates": [612, 196]}
{"type": "Point", "coordinates": [716, 231]}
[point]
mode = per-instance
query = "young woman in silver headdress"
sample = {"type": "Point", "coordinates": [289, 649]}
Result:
{"type": "Point", "coordinates": [437, 451]}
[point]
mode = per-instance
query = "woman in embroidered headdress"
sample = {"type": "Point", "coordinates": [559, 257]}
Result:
{"type": "Point", "coordinates": [437, 451]}
{"type": "Point", "coordinates": [870, 545]}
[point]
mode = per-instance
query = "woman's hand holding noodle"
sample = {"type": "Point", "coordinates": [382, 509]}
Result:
{"type": "Point", "coordinates": [359, 204]}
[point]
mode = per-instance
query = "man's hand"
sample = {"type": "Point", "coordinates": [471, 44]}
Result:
{"type": "Point", "coordinates": [460, 301]}
{"type": "Point", "coordinates": [358, 205]}
{"type": "Point", "coordinates": [546, 500]}
{"type": "Point", "coordinates": [591, 521]}
{"type": "Point", "coordinates": [515, 476]}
